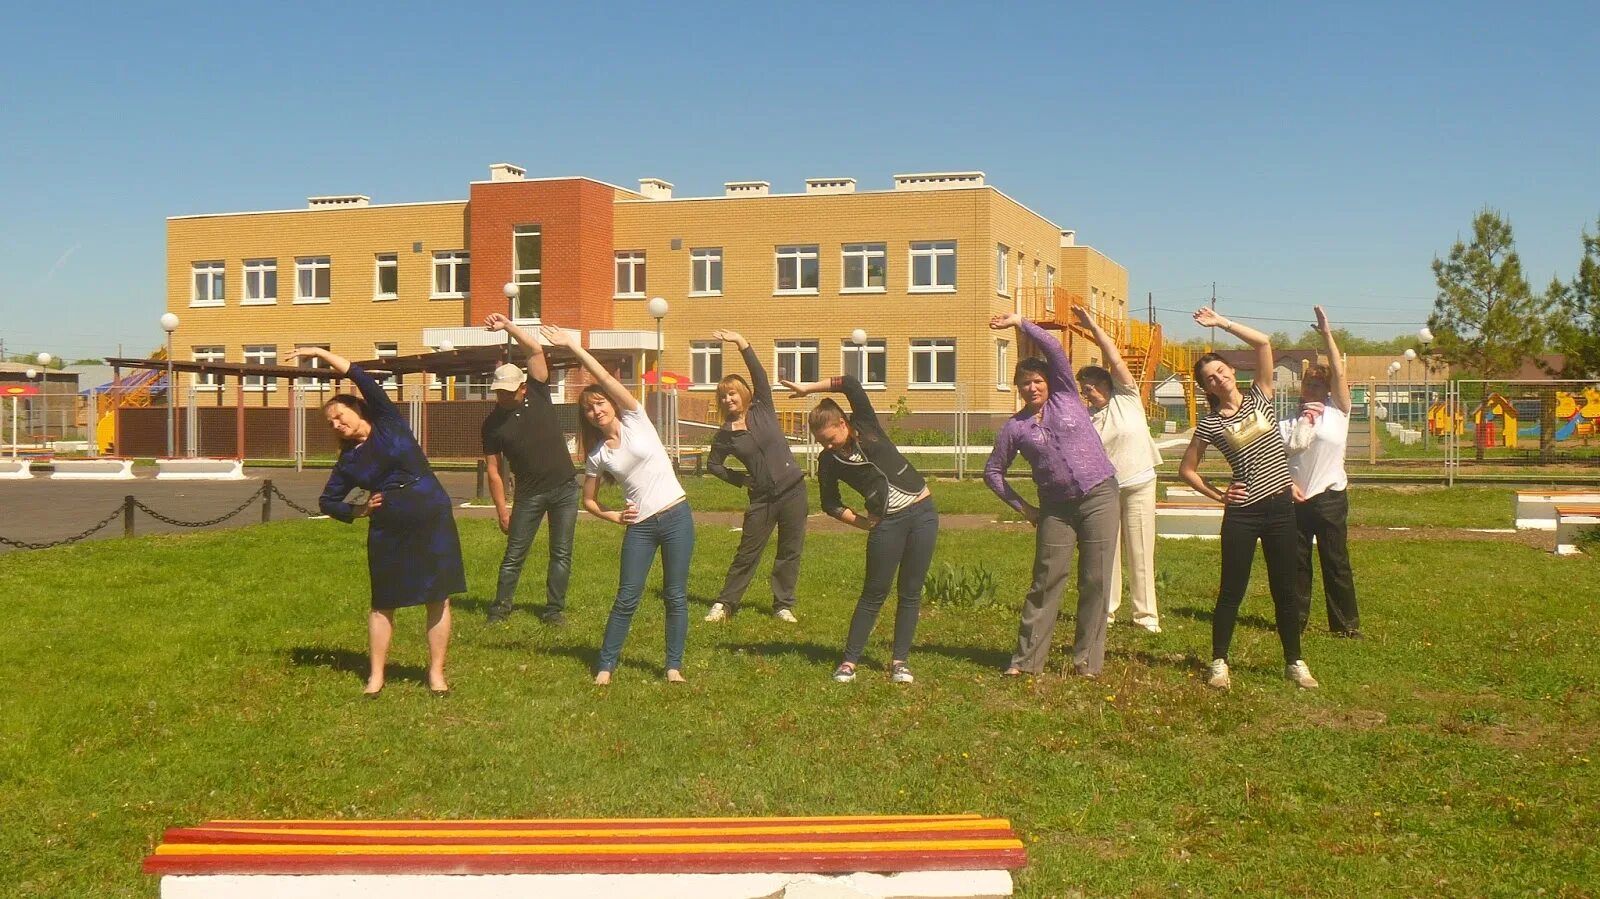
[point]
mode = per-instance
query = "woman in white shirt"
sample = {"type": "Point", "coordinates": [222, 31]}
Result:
{"type": "Point", "coordinates": [1317, 437]}
{"type": "Point", "coordinates": [620, 443]}
{"type": "Point", "coordinates": [1112, 395]}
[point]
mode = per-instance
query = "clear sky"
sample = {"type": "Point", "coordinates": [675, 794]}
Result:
{"type": "Point", "coordinates": [1291, 154]}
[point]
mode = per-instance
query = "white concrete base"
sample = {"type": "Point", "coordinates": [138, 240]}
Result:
{"type": "Point", "coordinates": [199, 470]}
{"type": "Point", "coordinates": [1568, 527]}
{"type": "Point", "coordinates": [907, 885]}
{"type": "Point", "coordinates": [1186, 494]}
{"type": "Point", "coordinates": [1536, 509]}
{"type": "Point", "coordinates": [1188, 521]}
{"type": "Point", "coordinates": [11, 469]}
{"type": "Point", "coordinates": [92, 470]}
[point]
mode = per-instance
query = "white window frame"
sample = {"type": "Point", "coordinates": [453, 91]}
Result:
{"type": "Point", "coordinates": [381, 262]}
{"type": "Point", "coordinates": [209, 382]}
{"type": "Point", "coordinates": [312, 385]}
{"type": "Point", "coordinates": [934, 348]}
{"type": "Point", "coordinates": [312, 265]}
{"type": "Point", "coordinates": [848, 351]}
{"type": "Point", "coordinates": [797, 255]}
{"type": "Point", "coordinates": [208, 284]}
{"type": "Point", "coordinates": [1002, 258]}
{"type": "Point", "coordinates": [933, 250]}
{"type": "Point", "coordinates": [1050, 288]}
{"type": "Point", "coordinates": [451, 261]}
{"type": "Point", "coordinates": [258, 270]}
{"type": "Point", "coordinates": [703, 353]}
{"type": "Point", "coordinates": [1002, 364]}
{"type": "Point", "coordinates": [633, 262]}
{"type": "Point", "coordinates": [711, 259]}
{"type": "Point", "coordinates": [558, 385]}
{"type": "Point", "coordinates": [527, 276]}
{"type": "Point", "coordinates": [260, 354]}
{"type": "Point", "coordinates": [800, 349]}
{"type": "Point", "coordinates": [866, 252]}
{"type": "Point", "coordinates": [387, 349]}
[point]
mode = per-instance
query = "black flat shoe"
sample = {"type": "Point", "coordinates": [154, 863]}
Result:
{"type": "Point", "coordinates": [373, 695]}
{"type": "Point", "coordinates": [439, 694]}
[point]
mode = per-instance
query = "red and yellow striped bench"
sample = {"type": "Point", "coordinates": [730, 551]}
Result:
{"type": "Point", "coordinates": [817, 845]}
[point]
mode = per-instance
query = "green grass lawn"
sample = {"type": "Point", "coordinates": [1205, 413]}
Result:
{"type": "Point", "coordinates": [162, 681]}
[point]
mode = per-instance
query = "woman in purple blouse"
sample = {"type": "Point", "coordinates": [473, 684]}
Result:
{"type": "Point", "coordinates": [1078, 503]}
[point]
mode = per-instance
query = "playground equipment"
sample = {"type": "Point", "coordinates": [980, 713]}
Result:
{"type": "Point", "coordinates": [1494, 422]}
{"type": "Point", "coordinates": [1577, 420]}
{"type": "Point", "coordinates": [1445, 418]}
{"type": "Point", "coordinates": [129, 390]}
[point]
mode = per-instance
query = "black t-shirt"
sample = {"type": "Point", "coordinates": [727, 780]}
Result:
{"type": "Point", "coordinates": [531, 440]}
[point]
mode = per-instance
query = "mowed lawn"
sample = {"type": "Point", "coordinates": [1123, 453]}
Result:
{"type": "Point", "coordinates": [167, 680]}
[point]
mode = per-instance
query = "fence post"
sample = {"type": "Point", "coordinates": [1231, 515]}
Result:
{"type": "Point", "coordinates": [1372, 421]}
{"type": "Point", "coordinates": [127, 515]}
{"type": "Point", "coordinates": [266, 500]}
{"type": "Point", "coordinates": [483, 473]}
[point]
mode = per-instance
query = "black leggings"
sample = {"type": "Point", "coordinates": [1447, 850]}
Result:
{"type": "Point", "coordinates": [1271, 521]}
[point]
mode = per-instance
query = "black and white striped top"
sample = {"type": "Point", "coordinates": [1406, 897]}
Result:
{"type": "Point", "coordinates": [1252, 444]}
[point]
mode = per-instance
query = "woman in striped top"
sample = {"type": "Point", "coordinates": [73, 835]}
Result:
{"type": "Point", "coordinates": [1259, 500]}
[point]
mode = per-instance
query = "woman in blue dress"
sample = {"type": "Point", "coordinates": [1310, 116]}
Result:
{"type": "Point", "coordinates": [413, 550]}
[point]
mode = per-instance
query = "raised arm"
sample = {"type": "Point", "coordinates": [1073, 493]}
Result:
{"type": "Point", "coordinates": [1338, 384]}
{"type": "Point", "coordinates": [1108, 348]}
{"type": "Point", "coordinates": [861, 411]}
{"type": "Point", "coordinates": [377, 399]}
{"type": "Point", "coordinates": [760, 384]}
{"type": "Point", "coordinates": [1206, 317]}
{"type": "Point", "coordinates": [1060, 378]}
{"type": "Point", "coordinates": [618, 394]}
{"type": "Point", "coordinates": [538, 364]}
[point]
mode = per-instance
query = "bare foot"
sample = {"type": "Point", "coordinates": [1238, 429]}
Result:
{"type": "Point", "coordinates": [602, 679]}
{"type": "Point", "coordinates": [675, 676]}
{"type": "Point", "coordinates": [437, 683]}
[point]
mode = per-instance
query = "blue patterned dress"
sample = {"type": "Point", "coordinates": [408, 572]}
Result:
{"type": "Point", "coordinates": [413, 550]}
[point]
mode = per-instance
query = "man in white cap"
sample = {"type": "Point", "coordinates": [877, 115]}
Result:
{"type": "Point", "coordinates": [523, 430]}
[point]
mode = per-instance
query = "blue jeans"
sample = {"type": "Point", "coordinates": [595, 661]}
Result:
{"type": "Point", "coordinates": [903, 543]}
{"type": "Point", "coordinates": [672, 530]}
{"type": "Point", "coordinates": [527, 511]}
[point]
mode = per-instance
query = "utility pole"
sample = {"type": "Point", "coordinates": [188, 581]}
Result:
{"type": "Point", "coordinates": [1213, 337]}
{"type": "Point", "coordinates": [1150, 307]}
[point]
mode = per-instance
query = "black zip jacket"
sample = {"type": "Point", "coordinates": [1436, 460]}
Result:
{"type": "Point", "coordinates": [769, 466]}
{"type": "Point", "coordinates": [883, 463]}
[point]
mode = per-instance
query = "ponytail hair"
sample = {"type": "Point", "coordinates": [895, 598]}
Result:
{"type": "Point", "coordinates": [825, 413]}
{"type": "Point", "coordinates": [1212, 401]}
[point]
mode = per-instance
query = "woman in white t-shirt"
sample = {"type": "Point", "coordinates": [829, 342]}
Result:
{"type": "Point", "coordinates": [620, 443]}
{"type": "Point", "coordinates": [1112, 395]}
{"type": "Point", "coordinates": [1317, 437]}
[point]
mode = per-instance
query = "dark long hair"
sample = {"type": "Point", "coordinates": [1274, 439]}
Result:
{"type": "Point", "coordinates": [589, 436]}
{"type": "Point", "coordinates": [1214, 402]}
{"type": "Point", "coordinates": [349, 401]}
{"type": "Point", "coordinates": [825, 413]}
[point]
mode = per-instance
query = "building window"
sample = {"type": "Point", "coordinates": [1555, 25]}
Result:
{"type": "Point", "coordinates": [706, 272]}
{"type": "Point", "coordinates": [452, 274]}
{"type": "Point", "coordinates": [260, 281]}
{"type": "Point", "coordinates": [208, 380]}
{"type": "Point", "coordinates": [797, 360]}
{"type": "Point", "coordinates": [630, 273]}
{"type": "Point", "coordinates": [869, 362]}
{"type": "Point", "coordinates": [558, 385]}
{"type": "Point", "coordinates": [933, 266]}
{"type": "Point", "coordinates": [313, 279]}
{"type": "Point", "coordinates": [1002, 255]}
{"type": "Point", "coordinates": [797, 269]}
{"type": "Point", "coordinates": [387, 283]}
{"type": "Point", "coordinates": [933, 363]}
{"type": "Point", "coordinates": [260, 355]}
{"type": "Point", "coordinates": [1002, 364]}
{"type": "Point", "coordinates": [313, 384]}
{"type": "Point", "coordinates": [866, 268]}
{"type": "Point", "coordinates": [208, 284]}
{"type": "Point", "coordinates": [1050, 288]}
{"type": "Point", "coordinates": [705, 364]}
{"type": "Point", "coordinates": [527, 271]}
{"type": "Point", "coordinates": [387, 350]}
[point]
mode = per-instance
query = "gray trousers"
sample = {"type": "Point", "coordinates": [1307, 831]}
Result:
{"type": "Point", "coordinates": [1089, 525]}
{"type": "Point", "coordinates": [786, 512]}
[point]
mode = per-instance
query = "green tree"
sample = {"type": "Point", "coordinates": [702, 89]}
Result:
{"type": "Point", "coordinates": [1574, 320]}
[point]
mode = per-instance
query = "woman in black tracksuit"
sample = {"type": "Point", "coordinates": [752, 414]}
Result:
{"type": "Point", "coordinates": [901, 519]}
{"type": "Point", "coordinates": [776, 485]}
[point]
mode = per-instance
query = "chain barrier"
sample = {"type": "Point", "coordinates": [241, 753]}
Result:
{"type": "Point", "coordinates": [23, 544]}
{"type": "Point", "coordinates": [255, 495]}
{"type": "Point", "coordinates": [292, 504]}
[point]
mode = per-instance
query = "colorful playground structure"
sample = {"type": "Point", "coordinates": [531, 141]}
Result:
{"type": "Point", "coordinates": [129, 390]}
{"type": "Point", "coordinates": [1497, 422]}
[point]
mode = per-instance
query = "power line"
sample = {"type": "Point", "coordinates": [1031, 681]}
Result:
{"type": "Point", "coordinates": [1268, 318]}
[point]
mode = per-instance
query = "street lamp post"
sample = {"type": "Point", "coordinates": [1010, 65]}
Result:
{"type": "Point", "coordinates": [1426, 336]}
{"type": "Point", "coordinates": [1411, 356]}
{"type": "Point", "coordinates": [169, 323]}
{"type": "Point", "coordinates": [1394, 371]}
{"type": "Point", "coordinates": [32, 374]}
{"type": "Point", "coordinates": [657, 307]}
{"type": "Point", "coordinates": [44, 360]}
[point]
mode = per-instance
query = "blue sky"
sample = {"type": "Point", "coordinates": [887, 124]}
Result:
{"type": "Point", "coordinates": [1291, 154]}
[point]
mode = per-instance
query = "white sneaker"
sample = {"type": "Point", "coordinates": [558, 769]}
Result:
{"type": "Point", "coordinates": [785, 615]}
{"type": "Point", "coordinates": [1152, 627]}
{"type": "Point", "coordinates": [900, 674]}
{"type": "Point", "coordinates": [718, 612]}
{"type": "Point", "coordinates": [1218, 675]}
{"type": "Point", "coordinates": [845, 673]}
{"type": "Point", "coordinates": [1301, 675]}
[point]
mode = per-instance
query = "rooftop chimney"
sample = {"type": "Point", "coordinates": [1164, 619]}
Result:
{"type": "Point", "coordinates": [938, 180]}
{"type": "Point", "coordinates": [337, 202]}
{"type": "Point", "coordinates": [505, 171]}
{"type": "Point", "coordinates": [1069, 238]}
{"type": "Point", "coordinates": [830, 185]}
{"type": "Point", "coordinates": [655, 189]}
{"type": "Point", "coordinates": [745, 188]}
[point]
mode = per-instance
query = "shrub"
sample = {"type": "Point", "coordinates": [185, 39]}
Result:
{"type": "Point", "coordinates": [960, 587]}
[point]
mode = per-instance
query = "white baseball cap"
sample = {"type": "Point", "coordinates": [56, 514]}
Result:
{"type": "Point", "coordinates": [508, 377]}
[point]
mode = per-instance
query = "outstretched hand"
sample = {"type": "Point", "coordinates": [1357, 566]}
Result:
{"type": "Point", "coordinates": [1081, 313]}
{"type": "Point", "coordinates": [1322, 319]}
{"type": "Point", "coordinates": [727, 335]}
{"type": "Point", "coordinates": [496, 321]}
{"type": "Point", "coordinates": [555, 336]}
{"type": "Point", "coordinates": [301, 352]}
{"type": "Point", "coordinates": [795, 390]}
{"type": "Point", "coordinates": [1206, 317]}
{"type": "Point", "coordinates": [1004, 320]}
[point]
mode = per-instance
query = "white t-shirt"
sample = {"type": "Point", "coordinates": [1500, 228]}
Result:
{"type": "Point", "coordinates": [1126, 436]}
{"type": "Point", "coordinates": [1320, 466]}
{"type": "Point", "coordinates": [639, 463]}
